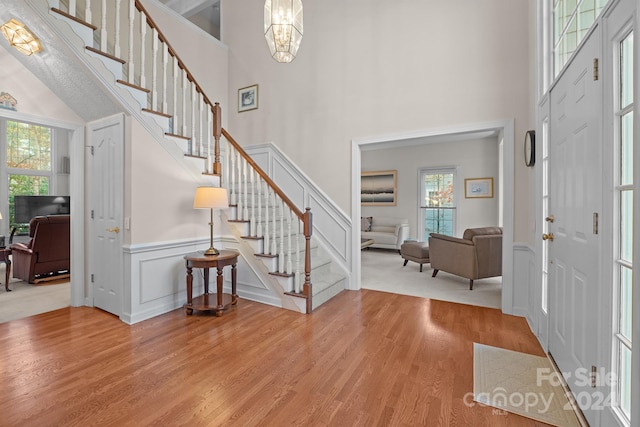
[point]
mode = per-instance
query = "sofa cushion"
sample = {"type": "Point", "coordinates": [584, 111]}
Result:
{"type": "Point", "coordinates": [470, 233]}
{"type": "Point", "coordinates": [365, 223]}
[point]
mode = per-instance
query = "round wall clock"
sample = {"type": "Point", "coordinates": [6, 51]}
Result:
{"type": "Point", "coordinates": [530, 148]}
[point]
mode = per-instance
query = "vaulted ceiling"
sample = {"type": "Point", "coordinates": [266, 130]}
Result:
{"type": "Point", "coordinates": [203, 13]}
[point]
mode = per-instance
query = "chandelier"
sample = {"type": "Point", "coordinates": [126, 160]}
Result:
{"type": "Point", "coordinates": [283, 28]}
{"type": "Point", "coordinates": [20, 37]}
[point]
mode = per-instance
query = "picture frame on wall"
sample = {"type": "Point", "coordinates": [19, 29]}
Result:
{"type": "Point", "coordinates": [478, 188]}
{"type": "Point", "coordinates": [379, 188]}
{"type": "Point", "coordinates": [248, 98]}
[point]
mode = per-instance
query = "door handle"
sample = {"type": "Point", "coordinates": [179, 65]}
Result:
{"type": "Point", "coordinates": [550, 218]}
{"type": "Point", "coordinates": [546, 236]}
{"type": "Point", "coordinates": [114, 230]}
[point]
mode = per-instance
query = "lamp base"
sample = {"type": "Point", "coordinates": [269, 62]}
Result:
{"type": "Point", "coordinates": [211, 251]}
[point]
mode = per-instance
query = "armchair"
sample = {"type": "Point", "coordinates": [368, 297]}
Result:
{"type": "Point", "coordinates": [477, 255]}
{"type": "Point", "coordinates": [48, 250]}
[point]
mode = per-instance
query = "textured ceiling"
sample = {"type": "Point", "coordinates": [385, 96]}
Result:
{"type": "Point", "coordinates": [58, 67]}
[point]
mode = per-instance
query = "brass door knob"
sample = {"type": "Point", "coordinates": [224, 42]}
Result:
{"type": "Point", "coordinates": [546, 236]}
{"type": "Point", "coordinates": [550, 218]}
{"type": "Point", "coordinates": [114, 230]}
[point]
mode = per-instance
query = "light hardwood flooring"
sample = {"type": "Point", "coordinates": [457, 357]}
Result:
{"type": "Point", "coordinates": [366, 358]}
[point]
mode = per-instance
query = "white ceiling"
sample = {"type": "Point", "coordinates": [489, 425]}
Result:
{"type": "Point", "coordinates": [196, 10]}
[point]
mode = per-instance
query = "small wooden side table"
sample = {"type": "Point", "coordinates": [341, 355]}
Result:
{"type": "Point", "coordinates": [217, 301]}
{"type": "Point", "coordinates": [4, 257]}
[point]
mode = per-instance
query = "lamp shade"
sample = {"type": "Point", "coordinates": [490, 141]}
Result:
{"type": "Point", "coordinates": [211, 197]}
{"type": "Point", "coordinates": [0, 215]}
{"type": "Point", "coordinates": [283, 28]}
{"type": "Point", "coordinates": [20, 37]}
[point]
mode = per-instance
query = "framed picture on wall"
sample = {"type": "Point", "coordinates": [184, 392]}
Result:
{"type": "Point", "coordinates": [379, 188]}
{"type": "Point", "coordinates": [478, 188]}
{"type": "Point", "coordinates": [248, 98]}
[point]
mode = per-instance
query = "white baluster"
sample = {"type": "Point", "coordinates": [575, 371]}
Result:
{"type": "Point", "coordinates": [132, 17]}
{"type": "Point", "coordinates": [281, 252]}
{"type": "Point", "coordinates": [88, 16]}
{"type": "Point", "coordinates": [72, 8]}
{"type": "Point", "coordinates": [239, 208]}
{"type": "Point", "coordinates": [154, 71]}
{"type": "Point", "coordinates": [252, 219]}
{"type": "Point", "coordinates": [194, 107]}
{"type": "Point", "coordinates": [245, 196]}
{"type": "Point", "coordinates": [274, 246]}
{"type": "Point", "coordinates": [297, 284]}
{"type": "Point", "coordinates": [259, 227]}
{"type": "Point", "coordinates": [266, 247]}
{"type": "Point", "coordinates": [232, 177]}
{"type": "Point", "coordinates": [116, 43]}
{"type": "Point", "coordinates": [103, 26]}
{"type": "Point", "coordinates": [208, 132]}
{"type": "Point", "coordinates": [175, 95]}
{"type": "Point", "coordinates": [184, 102]}
{"type": "Point", "coordinates": [165, 94]}
{"type": "Point", "coordinates": [203, 127]}
{"type": "Point", "coordinates": [143, 50]}
{"type": "Point", "coordinates": [289, 246]}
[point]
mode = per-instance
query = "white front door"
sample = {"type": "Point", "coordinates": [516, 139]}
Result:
{"type": "Point", "coordinates": [575, 201]}
{"type": "Point", "coordinates": [106, 168]}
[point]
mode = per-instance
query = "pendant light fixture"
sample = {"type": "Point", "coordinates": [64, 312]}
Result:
{"type": "Point", "coordinates": [283, 28]}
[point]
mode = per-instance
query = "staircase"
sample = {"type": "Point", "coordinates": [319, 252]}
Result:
{"type": "Point", "coordinates": [123, 46]}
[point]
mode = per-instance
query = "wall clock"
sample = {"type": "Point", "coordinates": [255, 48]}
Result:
{"type": "Point", "coordinates": [530, 148]}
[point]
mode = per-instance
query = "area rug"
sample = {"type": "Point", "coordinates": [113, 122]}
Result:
{"type": "Point", "coordinates": [28, 300]}
{"type": "Point", "coordinates": [520, 383]}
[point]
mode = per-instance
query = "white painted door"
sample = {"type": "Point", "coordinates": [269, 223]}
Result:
{"type": "Point", "coordinates": [575, 197]}
{"type": "Point", "coordinates": [106, 139]}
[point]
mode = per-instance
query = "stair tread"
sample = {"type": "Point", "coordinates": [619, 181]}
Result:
{"type": "Point", "coordinates": [175, 135]}
{"type": "Point", "coordinates": [105, 54]}
{"type": "Point", "coordinates": [159, 113]}
{"type": "Point", "coordinates": [133, 85]}
{"type": "Point", "coordinates": [73, 18]}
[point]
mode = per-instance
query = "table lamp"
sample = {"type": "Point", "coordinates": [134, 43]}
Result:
{"type": "Point", "coordinates": [211, 198]}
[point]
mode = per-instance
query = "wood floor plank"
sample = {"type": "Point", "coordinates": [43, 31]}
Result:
{"type": "Point", "coordinates": [365, 358]}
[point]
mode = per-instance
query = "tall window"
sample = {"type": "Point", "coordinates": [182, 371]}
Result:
{"type": "Point", "coordinates": [28, 161]}
{"type": "Point", "coordinates": [572, 19]}
{"type": "Point", "coordinates": [623, 267]}
{"type": "Point", "coordinates": [438, 208]}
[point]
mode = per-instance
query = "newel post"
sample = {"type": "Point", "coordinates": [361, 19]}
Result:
{"type": "Point", "coordinates": [217, 131]}
{"type": "Point", "coordinates": [308, 227]}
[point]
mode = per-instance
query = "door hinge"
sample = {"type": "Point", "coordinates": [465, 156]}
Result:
{"type": "Point", "coordinates": [594, 376]}
{"type": "Point", "coordinates": [92, 278]}
{"type": "Point", "coordinates": [595, 69]}
{"type": "Point", "coordinates": [595, 223]}
{"type": "Point", "coordinates": [92, 150]}
{"type": "Point", "coordinates": [91, 213]}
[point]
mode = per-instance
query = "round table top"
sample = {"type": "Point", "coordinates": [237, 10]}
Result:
{"type": "Point", "coordinates": [225, 254]}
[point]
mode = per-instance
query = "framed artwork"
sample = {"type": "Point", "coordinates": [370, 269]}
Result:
{"type": "Point", "coordinates": [478, 188]}
{"type": "Point", "coordinates": [378, 188]}
{"type": "Point", "coordinates": [248, 98]}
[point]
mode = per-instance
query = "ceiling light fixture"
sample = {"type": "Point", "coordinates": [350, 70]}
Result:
{"type": "Point", "coordinates": [283, 28]}
{"type": "Point", "coordinates": [20, 37]}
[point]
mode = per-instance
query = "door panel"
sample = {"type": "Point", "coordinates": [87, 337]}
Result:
{"type": "Point", "coordinates": [107, 141]}
{"type": "Point", "coordinates": [575, 195]}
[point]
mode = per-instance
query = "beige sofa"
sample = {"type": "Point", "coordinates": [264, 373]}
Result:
{"type": "Point", "coordinates": [387, 232]}
{"type": "Point", "coordinates": [476, 256]}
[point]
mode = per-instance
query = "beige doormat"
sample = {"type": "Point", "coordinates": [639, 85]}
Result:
{"type": "Point", "coordinates": [520, 383]}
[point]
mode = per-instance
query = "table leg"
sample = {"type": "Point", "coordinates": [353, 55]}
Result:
{"type": "Point", "coordinates": [234, 295]}
{"type": "Point", "coordinates": [7, 275]}
{"type": "Point", "coordinates": [219, 281]}
{"type": "Point", "coordinates": [189, 289]}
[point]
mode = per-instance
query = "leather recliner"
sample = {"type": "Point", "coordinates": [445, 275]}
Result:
{"type": "Point", "coordinates": [48, 250]}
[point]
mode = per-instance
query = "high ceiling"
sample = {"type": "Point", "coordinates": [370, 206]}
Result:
{"type": "Point", "coordinates": [203, 13]}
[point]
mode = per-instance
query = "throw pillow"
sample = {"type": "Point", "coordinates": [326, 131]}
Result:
{"type": "Point", "coordinates": [365, 223]}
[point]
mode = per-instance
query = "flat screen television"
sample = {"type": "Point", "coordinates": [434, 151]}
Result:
{"type": "Point", "coordinates": [26, 207]}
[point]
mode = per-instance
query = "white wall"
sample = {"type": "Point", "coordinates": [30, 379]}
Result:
{"type": "Point", "coordinates": [471, 158]}
{"type": "Point", "coordinates": [374, 68]}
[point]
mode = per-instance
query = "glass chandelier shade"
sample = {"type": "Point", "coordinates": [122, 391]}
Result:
{"type": "Point", "coordinates": [283, 28]}
{"type": "Point", "coordinates": [20, 37]}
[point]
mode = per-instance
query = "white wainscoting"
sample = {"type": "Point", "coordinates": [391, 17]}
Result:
{"type": "Point", "coordinates": [524, 281]}
{"type": "Point", "coordinates": [157, 274]}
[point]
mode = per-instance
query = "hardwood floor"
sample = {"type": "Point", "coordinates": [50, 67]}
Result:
{"type": "Point", "coordinates": [365, 358]}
